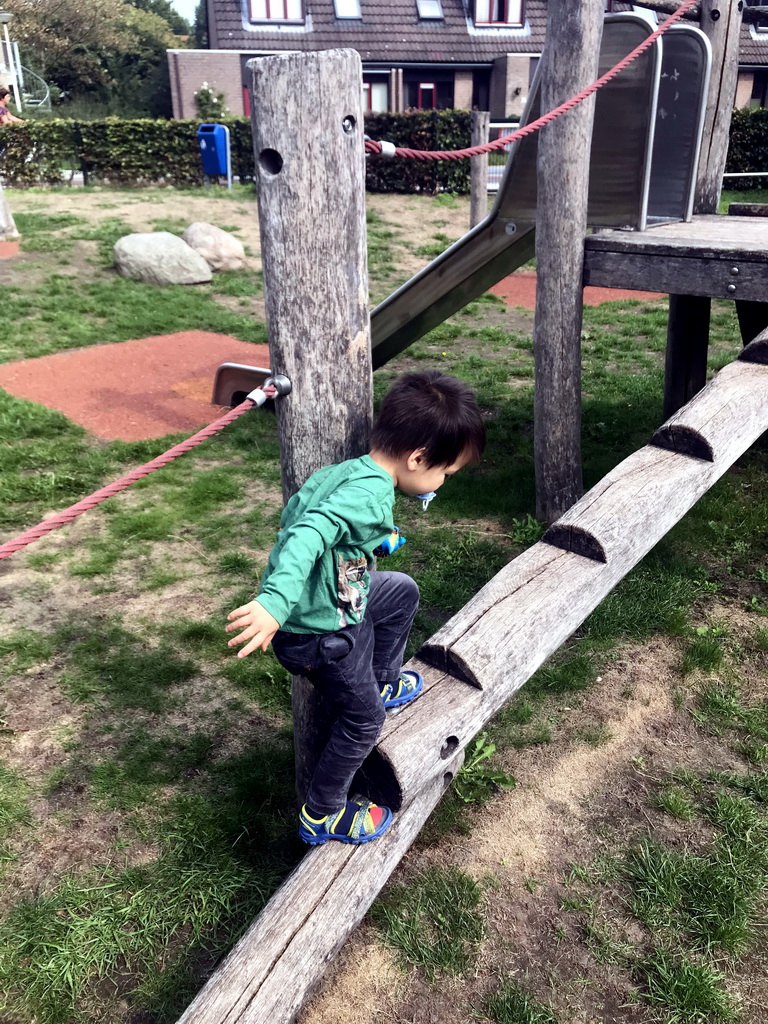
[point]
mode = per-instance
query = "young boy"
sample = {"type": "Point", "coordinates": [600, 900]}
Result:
{"type": "Point", "coordinates": [329, 617]}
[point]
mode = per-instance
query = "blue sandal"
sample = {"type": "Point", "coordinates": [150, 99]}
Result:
{"type": "Point", "coordinates": [407, 688]}
{"type": "Point", "coordinates": [358, 822]}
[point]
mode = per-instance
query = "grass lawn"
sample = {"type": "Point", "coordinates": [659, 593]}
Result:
{"type": "Point", "coordinates": [146, 775]}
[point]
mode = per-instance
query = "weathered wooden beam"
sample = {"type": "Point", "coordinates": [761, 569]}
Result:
{"type": "Point", "coordinates": [478, 169]}
{"type": "Point", "coordinates": [685, 365]}
{"type": "Point", "coordinates": [495, 643]}
{"type": "Point", "coordinates": [720, 20]}
{"type": "Point", "coordinates": [310, 172]}
{"type": "Point", "coordinates": [750, 14]}
{"type": "Point", "coordinates": [273, 969]}
{"type": "Point", "coordinates": [678, 274]}
{"type": "Point", "coordinates": [569, 62]}
{"type": "Point", "coordinates": [748, 209]}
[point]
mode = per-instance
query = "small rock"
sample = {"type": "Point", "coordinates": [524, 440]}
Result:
{"type": "Point", "coordinates": [158, 257]}
{"type": "Point", "coordinates": [220, 249]}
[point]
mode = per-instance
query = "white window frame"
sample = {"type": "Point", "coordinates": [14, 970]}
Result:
{"type": "Point", "coordinates": [511, 7]}
{"type": "Point", "coordinates": [427, 86]}
{"type": "Point", "coordinates": [347, 9]}
{"type": "Point", "coordinates": [430, 10]}
{"type": "Point", "coordinates": [277, 11]}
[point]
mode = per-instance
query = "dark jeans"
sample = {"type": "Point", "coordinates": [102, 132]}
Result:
{"type": "Point", "coordinates": [346, 667]}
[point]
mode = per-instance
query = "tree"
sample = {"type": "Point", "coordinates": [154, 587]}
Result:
{"type": "Point", "coordinates": [67, 38]}
{"type": "Point", "coordinates": [200, 28]}
{"type": "Point", "coordinates": [179, 25]}
{"type": "Point", "coordinates": [108, 51]}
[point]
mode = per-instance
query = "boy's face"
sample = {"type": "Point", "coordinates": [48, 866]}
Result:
{"type": "Point", "coordinates": [419, 478]}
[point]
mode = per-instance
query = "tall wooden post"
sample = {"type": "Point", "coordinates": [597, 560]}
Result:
{"type": "Point", "coordinates": [308, 146]}
{"type": "Point", "coordinates": [478, 169]}
{"type": "Point", "coordinates": [720, 20]}
{"type": "Point", "coordinates": [688, 327]}
{"type": "Point", "coordinates": [569, 63]}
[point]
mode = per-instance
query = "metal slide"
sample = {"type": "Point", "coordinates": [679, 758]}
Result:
{"type": "Point", "coordinates": [632, 182]}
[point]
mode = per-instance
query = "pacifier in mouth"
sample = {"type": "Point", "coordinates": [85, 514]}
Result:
{"type": "Point", "coordinates": [425, 499]}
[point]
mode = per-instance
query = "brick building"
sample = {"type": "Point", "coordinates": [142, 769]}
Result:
{"type": "Point", "coordinates": [416, 53]}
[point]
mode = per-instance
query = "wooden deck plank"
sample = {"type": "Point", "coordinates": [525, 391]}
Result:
{"type": "Point", "coordinates": [712, 256]}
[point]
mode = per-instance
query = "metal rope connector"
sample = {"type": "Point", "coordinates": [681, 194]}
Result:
{"type": "Point", "coordinates": [273, 387]}
{"type": "Point", "coordinates": [387, 149]}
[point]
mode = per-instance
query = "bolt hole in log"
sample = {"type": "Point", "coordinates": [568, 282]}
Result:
{"type": "Point", "coordinates": [448, 778]}
{"type": "Point", "coordinates": [270, 161]}
{"type": "Point", "coordinates": [450, 746]}
{"type": "Point", "coordinates": [348, 124]}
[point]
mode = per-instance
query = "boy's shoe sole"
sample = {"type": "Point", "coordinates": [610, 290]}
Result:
{"type": "Point", "coordinates": [311, 834]}
{"type": "Point", "coordinates": [414, 685]}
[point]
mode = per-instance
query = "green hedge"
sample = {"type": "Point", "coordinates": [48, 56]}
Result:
{"type": "Point", "coordinates": [146, 152]}
{"type": "Point", "coordinates": [114, 152]}
{"type": "Point", "coordinates": [748, 147]}
{"type": "Point", "coordinates": [433, 129]}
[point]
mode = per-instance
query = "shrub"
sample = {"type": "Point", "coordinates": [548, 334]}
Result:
{"type": "Point", "coordinates": [145, 152]}
{"type": "Point", "coordinates": [748, 147]}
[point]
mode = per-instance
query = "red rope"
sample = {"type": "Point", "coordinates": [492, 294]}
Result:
{"type": "Point", "coordinates": [62, 518]}
{"type": "Point", "coordinates": [459, 154]}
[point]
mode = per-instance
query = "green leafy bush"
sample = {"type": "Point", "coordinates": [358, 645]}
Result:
{"type": "Point", "coordinates": [748, 147]}
{"type": "Point", "coordinates": [148, 152]}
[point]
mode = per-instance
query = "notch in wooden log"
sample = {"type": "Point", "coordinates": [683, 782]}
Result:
{"type": "Point", "coordinates": [756, 351]}
{"type": "Point", "coordinates": [576, 539]}
{"type": "Point", "coordinates": [676, 437]}
{"type": "Point", "coordinates": [447, 661]}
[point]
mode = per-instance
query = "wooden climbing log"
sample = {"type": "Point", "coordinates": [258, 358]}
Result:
{"type": "Point", "coordinates": [472, 667]}
{"type": "Point", "coordinates": [310, 169]}
{"type": "Point", "coordinates": [507, 631]}
{"type": "Point", "coordinates": [273, 969]}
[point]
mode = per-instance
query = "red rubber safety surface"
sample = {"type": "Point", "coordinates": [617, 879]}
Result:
{"type": "Point", "coordinates": [133, 390]}
{"type": "Point", "coordinates": [8, 249]}
{"type": "Point", "coordinates": [520, 290]}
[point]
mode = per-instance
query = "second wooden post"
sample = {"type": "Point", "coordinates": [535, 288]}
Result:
{"type": "Point", "coordinates": [310, 173]}
{"type": "Point", "coordinates": [569, 63]}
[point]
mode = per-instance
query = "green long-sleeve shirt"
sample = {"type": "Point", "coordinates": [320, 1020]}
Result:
{"type": "Point", "coordinates": [316, 580]}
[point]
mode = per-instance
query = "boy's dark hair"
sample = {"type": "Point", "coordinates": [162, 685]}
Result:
{"type": "Point", "coordinates": [3, 93]}
{"type": "Point", "coordinates": [433, 411]}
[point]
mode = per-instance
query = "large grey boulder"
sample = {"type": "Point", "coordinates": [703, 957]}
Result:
{"type": "Point", "coordinates": [158, 257]}
{"type": "Point", "coordinates": [220, 249]}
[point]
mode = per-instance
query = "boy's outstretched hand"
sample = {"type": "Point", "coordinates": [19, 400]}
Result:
{"type": "Point", "coordinates": [257, 625]}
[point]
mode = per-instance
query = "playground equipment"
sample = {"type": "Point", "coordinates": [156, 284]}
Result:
{"type": "Point", "coordinates": [641, 172]}
{"type": "Point", "coordinates": [474, 664]}
{"type": "Point", "coordinates": [471, 668]}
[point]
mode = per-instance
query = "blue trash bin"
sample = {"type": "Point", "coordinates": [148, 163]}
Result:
{"type": "Point", "coordinates": [213, 140]}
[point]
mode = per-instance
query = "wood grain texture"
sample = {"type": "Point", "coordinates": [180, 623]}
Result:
{"type": "Point", "coordinates": [569, 63]}
{"type": "Point", "coordinates": [273, 969]}
{"type": "Point", "coordinates": [720, 20]}
{"type": "Point", "coordinates": [644, 496]}
{"type": "Point", "coordinates": [478, 169]}
{"type": "Point", "coordinates": [310, 167]}
{"type": "Point", "coordinates": [704, 276]}
{"type": "Point", "coordinates": [685, 364]}
{"type": "Point", "coordinates": [311, 190]}
{"type": "Point", "coordinates": [713, 236]}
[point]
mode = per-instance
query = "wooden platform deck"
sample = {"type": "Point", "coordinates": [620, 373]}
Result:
{"type": "Point", "coordinates": [713, 256]}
